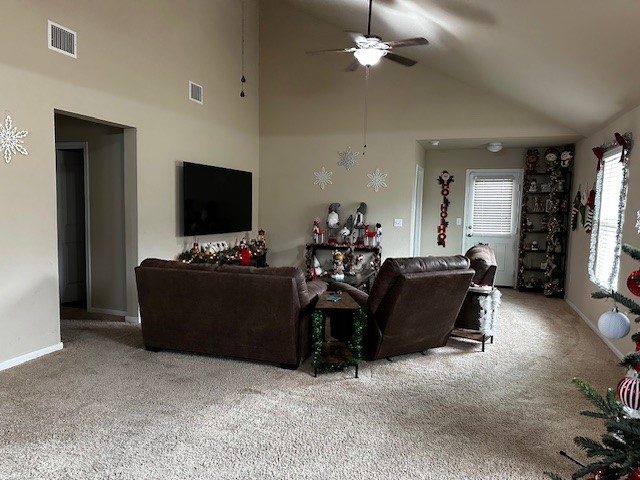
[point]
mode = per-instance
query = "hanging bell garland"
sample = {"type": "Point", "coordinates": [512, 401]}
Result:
{"type": "Point", "coordinates": [614, 324]}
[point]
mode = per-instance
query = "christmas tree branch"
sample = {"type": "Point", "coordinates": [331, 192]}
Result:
{"type": "Point", "coordinates": [631, 360]}
{"type": "Point", "coordinates": [631, 251]}
{"type": "Point", "coordinates": [627, 302]}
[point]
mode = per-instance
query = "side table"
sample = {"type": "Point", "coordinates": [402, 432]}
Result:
{"type": "Point", "coordinates": [478, 315]}
{"type": "Point", "coordinates": [333, 356]}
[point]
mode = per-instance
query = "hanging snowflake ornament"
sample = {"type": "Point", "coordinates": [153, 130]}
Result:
{"type": "Point", "coordinates": [348, 158]}
{"type": "Point", "coordinates": [638, 221]}
{"type": "Point", "coordinates": [11, 140]}
{"type": "Point", "coordinates": [323, 178]}
{"type": "Point", "coordinates": [377, 180]}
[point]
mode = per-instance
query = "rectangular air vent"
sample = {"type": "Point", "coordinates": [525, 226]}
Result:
{"type": "Point", "coordinates": [62, 40]}
{"type": "Point", "coordinates": [195, 92]}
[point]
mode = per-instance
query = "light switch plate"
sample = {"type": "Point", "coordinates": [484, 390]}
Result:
{"type": "Point", "coordinates": [458, 221]}
{"type": "Point", "coordinates": [397, 222]}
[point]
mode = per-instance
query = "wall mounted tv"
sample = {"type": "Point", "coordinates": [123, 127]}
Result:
{"type": "Point", "coordinates": [215, 200]}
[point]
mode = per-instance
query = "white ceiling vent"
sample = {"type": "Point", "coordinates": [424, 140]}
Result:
{"type": "Point", "coordinates": [62, 40]}
{"type": "Point", "coordinates": [195, 92]}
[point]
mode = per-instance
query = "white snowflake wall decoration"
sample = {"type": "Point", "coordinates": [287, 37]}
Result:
{"type": "Point", "coordinates": [377, 180]}
{"type": "Point", "coordinates": [11, 140]}
{"type": "Point", "coordinates": [638, 221]}
{"type": "Point", "coordinates": [323, 178]}
{"type": "Point", "coordinates": [348, 158]}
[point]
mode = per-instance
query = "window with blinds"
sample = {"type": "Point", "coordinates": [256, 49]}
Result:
{"type": "Point", "coordinates": [606, 236]}
{"type": "Point", "coordinates": [493, 206]}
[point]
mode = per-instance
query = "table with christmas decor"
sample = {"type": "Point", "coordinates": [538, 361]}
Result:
{"type": "Point", "coordinates": [331, 356]}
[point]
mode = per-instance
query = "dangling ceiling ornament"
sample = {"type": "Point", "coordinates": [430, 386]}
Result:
{"type": "Point", "coordinates": [11, 140]}
{"type": "Point", "coordinates": [243, 80]}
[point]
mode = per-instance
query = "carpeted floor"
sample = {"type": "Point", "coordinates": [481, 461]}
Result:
{"type": "Point", "coordinates": [104, 408]}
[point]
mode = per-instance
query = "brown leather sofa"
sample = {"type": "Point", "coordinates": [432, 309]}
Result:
{"type": "Point", "coordinates": [483, 261]}
{"type": "Point", "coordinates": [413, 304]}
{"type": "Point", "coordinates": [229, 310]}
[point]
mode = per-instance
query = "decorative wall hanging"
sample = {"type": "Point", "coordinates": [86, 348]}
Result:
{"type": "Point", "coordinates": [11, 140]}
{"type": "Point", "coordinates": [243, 80]}
{"type": "Point", "coordinates": [377, 180]}
{"type": "Point", "coordinates": [638, 221]}
{"type": "Point", "coordinates": [588, 217]}
{"type": "Point", "coordinates": [323, 178]}
{"type": "Point", "coordinates": [348, 158]}
{"type": "Point", "coordinates": [577, 209]}
{"type": "Point", "coordinates": [444, 180]}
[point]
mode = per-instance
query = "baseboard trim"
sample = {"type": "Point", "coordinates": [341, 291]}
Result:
{"type": "Point", "coordinates": [108, 311]}
{"type": "Point", "coordinates": [12, 362]}
{"type": "Point", "coordinates": [131, 319]}
{"type": "Point", "coordinates": [606, 341]}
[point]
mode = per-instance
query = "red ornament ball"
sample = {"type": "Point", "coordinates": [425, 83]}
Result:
{"type": "Point", "coordinates": [633, 283]}
{"type": "Point", "coordinates": [629, 391]}
{"type": "Point", "coordinates": [634, 475]}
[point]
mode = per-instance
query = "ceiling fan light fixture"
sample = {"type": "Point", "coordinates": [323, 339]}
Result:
{"type": "Point", "coordinates": [494, 147]}
{"type": "Point", "coordinates": [369, 56]}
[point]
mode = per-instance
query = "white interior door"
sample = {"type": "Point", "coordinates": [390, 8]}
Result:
{"type": "Point", "coordinates": [71, 225]}
{"type": "Point", "coordinates": [491, 216]}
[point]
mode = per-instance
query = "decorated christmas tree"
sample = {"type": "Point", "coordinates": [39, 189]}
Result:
{"type": "Point", "coordinates": [617, 455]}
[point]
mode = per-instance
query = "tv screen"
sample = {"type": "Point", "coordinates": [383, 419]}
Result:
{"type": "Point", "coordinates": [215, 200]}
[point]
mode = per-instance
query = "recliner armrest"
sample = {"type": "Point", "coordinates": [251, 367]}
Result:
{"type": "Point", "coordinates": [359, 296]}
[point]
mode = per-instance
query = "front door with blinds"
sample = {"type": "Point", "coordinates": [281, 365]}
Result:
{"type": "Point", "coordinates": [491, 217]}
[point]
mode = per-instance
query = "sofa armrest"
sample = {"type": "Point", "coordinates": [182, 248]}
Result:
{"type": "Point", "coordinates": [359, 296]}
{"type": "Point", "coordinates": [316, 288]}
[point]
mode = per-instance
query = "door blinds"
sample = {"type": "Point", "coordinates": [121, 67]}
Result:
{"type": "Point", "coordinates": [492, 206]}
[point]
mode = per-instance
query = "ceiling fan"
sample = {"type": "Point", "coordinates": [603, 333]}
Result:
{"type": "Point", "coordinates": [370, 49]}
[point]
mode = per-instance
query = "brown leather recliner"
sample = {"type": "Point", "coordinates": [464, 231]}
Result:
{"type": "Point", "coordinates": [413, 304]}
{"type": "Point", "coordinates": [483, 261]}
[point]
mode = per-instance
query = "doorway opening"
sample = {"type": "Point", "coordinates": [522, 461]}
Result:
{"type": "Point", "coordinates": [97, 220]}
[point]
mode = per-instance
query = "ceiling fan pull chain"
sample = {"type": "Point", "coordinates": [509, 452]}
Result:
{"type": "Point", "coordinates": [366, 106]}
{"type": "Point", "coordinates": [242, 79]}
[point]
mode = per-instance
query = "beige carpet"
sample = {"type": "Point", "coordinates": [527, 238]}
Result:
{"type": "Point", "coordinates": [104, 408]}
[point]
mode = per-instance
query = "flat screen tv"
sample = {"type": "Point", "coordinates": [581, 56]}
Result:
{"type": "Point", "coordinates": [215, 200]}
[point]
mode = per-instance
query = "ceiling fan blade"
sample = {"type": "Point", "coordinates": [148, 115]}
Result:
{"type": "Point", "coordinates": [355, 36]}
{"type": "Point", "coordinates": [353, 66]}
{"type": "Point", "coordinates": [333, 50]}
{"type": "Point", "coordinates": [409, 42]}
{"type": "Point", "coordinates": [407, 62]}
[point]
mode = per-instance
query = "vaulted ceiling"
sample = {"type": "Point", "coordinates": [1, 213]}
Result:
{"type": "Point", "coordinates": [575, 61]}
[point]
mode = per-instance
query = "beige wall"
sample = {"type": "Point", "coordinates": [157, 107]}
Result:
{"type": "Point", "coordinates": [310, 109]}
{"type": "Point", "coordinates": [106, 255]}
{"type": "Point", "coordinates": [134, 63]}
{"type": "Point", "coordinates": [579, 287]}
{"type": "Point", "coordinates": [456, 162]}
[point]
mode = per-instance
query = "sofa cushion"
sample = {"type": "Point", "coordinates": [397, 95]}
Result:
{"type": "Point", "coordinates": [393, 268]}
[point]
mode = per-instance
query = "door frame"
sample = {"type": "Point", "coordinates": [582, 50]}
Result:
{"type": "Point", "coordinates": [518, 174]}
{"type": "Point", "coordinates": [416, 212]}
{"type": "Point", "coordinates": [84, 146]}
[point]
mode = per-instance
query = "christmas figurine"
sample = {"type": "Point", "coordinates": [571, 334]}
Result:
{"type": "Point", "coordinates": [333, 223]}
{"type": "Point", "coordinates": [378, 233]}
{"type": "Point", "coordinates": [358, 222]}
{"type": "Point", "coordinates": [531, 162]}
{"type": "Point", "coordinates": [551, 156]}
{"type": "Point", "coordinates": [565, 159]}
{"type": "Point", "coordinates": [338, 266]}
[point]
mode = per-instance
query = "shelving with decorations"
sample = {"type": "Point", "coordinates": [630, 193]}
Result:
{"type": "Point", "coordinates": [545, 220]}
